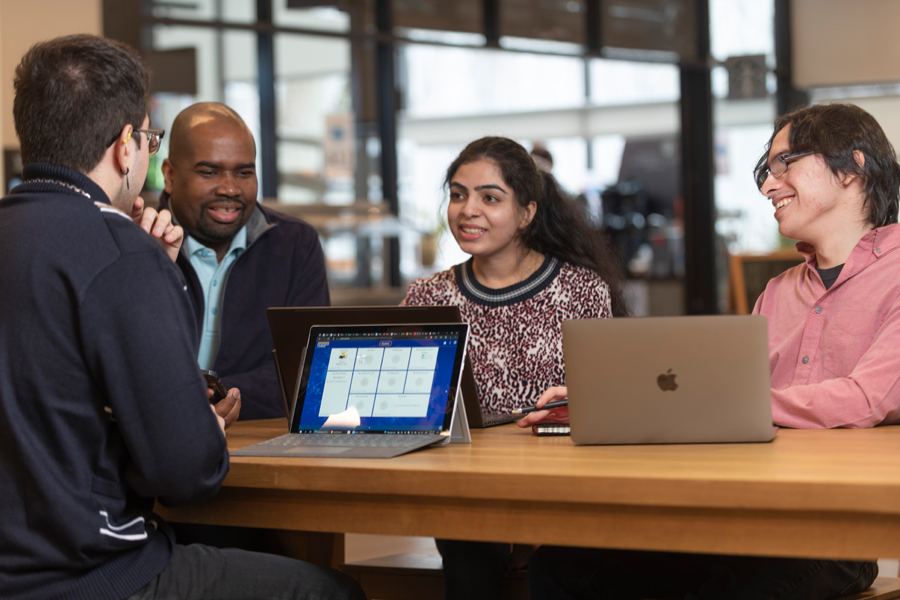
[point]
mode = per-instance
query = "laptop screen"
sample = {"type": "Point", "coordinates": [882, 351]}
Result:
{"type": "Point", "coordinates": [290, 329]}
{"type": "Point", "coordinates": [398, 378]}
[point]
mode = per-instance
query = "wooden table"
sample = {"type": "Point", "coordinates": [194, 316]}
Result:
{"type": "Point", "coordinates": [833, 494]}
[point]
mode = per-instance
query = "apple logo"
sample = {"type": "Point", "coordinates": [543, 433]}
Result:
{"type": "Point", "coordinates": [666, 381]}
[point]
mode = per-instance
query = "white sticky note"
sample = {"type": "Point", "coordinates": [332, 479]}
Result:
{"type": "Point", "coordinates": [349, 419]}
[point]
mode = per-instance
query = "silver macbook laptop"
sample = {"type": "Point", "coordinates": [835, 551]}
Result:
{"type": "Point", "coordinates": [661, 380]}
{"type": "Point", "coordinates": [290, 329]}
{"type": "Point", "coordinates": [373, 391]}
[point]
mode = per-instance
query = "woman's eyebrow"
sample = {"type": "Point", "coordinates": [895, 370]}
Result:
{"type": "Point", "coordinates": [489, 186]}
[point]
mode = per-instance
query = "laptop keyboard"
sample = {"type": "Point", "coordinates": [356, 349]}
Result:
{"type": "Point", "coordinates": [350, 441]}
{"type": "Point", "coordinates": [490, 419]}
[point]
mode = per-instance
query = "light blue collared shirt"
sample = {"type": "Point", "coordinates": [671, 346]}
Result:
{"type": "Point", "coordinates": [213, 275]}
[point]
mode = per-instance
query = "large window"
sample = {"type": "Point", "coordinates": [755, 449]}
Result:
{"type": "Point", "coordinates": [742, 40]}
{"type": "Point", "coordinates": [311, 80]}
{"type": "Point", "coordinates": [226, 69]}
{"type": "Point", "coordinates": [312, 89]}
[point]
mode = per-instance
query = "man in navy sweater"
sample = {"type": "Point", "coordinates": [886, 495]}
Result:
{"type": "Point", "coordinates": [102, 407]}
{"type": "Point", "coordinates": [238, 258]}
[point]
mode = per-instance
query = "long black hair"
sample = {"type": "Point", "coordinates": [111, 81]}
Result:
{"type": "Point", "coordinates": [560, 227]}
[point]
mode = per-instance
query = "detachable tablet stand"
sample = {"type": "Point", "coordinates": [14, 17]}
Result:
{"type": "Point", "coordinates": [459, 427]}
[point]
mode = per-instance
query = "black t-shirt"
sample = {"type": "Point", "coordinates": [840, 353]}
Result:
{"type": "Point", "coordinates": [829, 276]}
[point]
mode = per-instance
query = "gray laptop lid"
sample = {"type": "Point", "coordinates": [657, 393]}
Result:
{"type": "Point", "coordinates": [668, 380]}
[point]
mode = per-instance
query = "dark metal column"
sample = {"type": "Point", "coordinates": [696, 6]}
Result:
{"type": "Point", "coordinates": [594, 43]}
{"type": "Point", "coordinates": [697, 173]}
{"type": "Point", "coordinates": [491, 23]}
{"type": "Point", "coordinates": [266, 66]}
{"type": "Point", "coordinates": [594, 23]}
{"type": "Point", "coordinates": [387, 121]}
{"type": "Point", "coordinates": [787, 97]}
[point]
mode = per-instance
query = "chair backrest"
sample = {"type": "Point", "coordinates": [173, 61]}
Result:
{"type": "Point", "coordinates": [749, 274]}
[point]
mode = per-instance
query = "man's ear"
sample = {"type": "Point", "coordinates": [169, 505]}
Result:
{"type": "Point", "coordinates": [167, 169]}
{"type": "Point", "coordinates": [860, 159]}
{"type": "Point", "coordinates": [124, 152]}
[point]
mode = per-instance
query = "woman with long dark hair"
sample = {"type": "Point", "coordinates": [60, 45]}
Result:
{"type": "Point", "coordinates": [536, 260]}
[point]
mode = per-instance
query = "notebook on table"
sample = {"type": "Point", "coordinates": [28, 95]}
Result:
{"type": "Point", "coordinates": [290, 328]}
{"type": "Point", "coordinates": [660, 380]}
{"type": "Point", "coordinates": [372, 391]}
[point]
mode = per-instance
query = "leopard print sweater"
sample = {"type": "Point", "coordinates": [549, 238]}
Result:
{"type": "Point", "coordinates": [515, 333]}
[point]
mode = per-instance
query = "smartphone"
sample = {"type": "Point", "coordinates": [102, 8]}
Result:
{"type": "Point", "coordinates": [213, 381]}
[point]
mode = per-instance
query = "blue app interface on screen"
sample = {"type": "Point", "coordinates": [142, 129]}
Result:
{"type": "Point", "coordinates": [398, 381]}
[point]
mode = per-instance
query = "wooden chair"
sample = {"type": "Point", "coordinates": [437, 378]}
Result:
{"type": "Point", "coordinates": [748, 275]}
{"type": "Point", "coordinates": [415, 576]}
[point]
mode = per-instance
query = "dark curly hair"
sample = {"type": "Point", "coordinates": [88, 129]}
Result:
{"type": "Point", "coordinates": [560, 227]}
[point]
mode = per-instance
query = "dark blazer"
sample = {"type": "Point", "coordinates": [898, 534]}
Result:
{"type": "Point", "coordinates": [283, 265]}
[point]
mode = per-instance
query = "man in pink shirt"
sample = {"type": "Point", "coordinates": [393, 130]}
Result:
{"type": "Point", "coordinates": [834, 322]}
{"type": "Point", "coordinates": [834, 325]}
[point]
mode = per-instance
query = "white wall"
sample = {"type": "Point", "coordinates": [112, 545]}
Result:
{"type": "Point", "coordinates": [845, 42]}
{"type": "Point", "coordinates": [26, 22]}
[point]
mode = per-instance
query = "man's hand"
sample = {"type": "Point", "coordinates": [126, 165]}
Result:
{"type": "Point", "coordinates": [554, 415]}
{"type": "Point", "coordinates": [219, 419]}
{"type": "Point", "coordinates": [228, 408]}
{"type": "Point", "coordinates": [160, 226]}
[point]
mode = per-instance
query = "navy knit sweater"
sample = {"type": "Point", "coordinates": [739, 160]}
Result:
{"type": "Point", "coordinates": [283, 265]}
{"type": "Point", "coordinates": [102, 407]}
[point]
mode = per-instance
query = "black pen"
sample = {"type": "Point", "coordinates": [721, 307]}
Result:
{"type": "Point", "coordinates": [531, 409]}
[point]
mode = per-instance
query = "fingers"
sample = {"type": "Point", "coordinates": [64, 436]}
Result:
{"type": "Point", "coordinates": [532, 418]}
{"type": "Point", "coordinates": [147, 218]}
{"type": "Point", "coordinates": [556, 415]}
{"type": "Point", "coordinates": [160, 226]}
{"type": "Point", "coordinates": [163, 220]}
{"type": "Point", "coordinates": [539, 416]}
{"type": "Point", "coordinates": [137, 210]}
{"type": "Point", "coordinates": [172, 241]}
{"type": "Point", "coordinates": [229, 407]}
{"type": "Point", "coordinates": [554, 393]}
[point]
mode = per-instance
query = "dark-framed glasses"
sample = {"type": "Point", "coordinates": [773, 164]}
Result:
{"type": "Point", "coordinates": [154, 138]}
{"type": "Point", "coordinates": [779, 166]}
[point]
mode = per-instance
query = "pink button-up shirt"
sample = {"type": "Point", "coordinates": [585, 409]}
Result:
{"type": "Point", "coordinates": [835, 355]}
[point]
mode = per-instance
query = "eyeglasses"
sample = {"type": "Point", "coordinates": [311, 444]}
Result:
{"type": "Point", "coordinates": [779, 166]}
{"type": "Point", "coordinates": [154, 138]}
